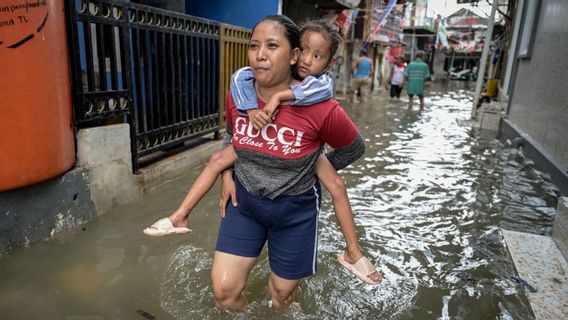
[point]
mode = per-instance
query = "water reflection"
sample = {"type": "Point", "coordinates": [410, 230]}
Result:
{"type": "Point", "coordinates": [429, 199]}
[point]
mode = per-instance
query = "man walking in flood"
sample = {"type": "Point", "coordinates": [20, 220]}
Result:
{"type": "Point", "coordinates": [416, 75]}
{"type": "Point", "coordinates": [362, 72]}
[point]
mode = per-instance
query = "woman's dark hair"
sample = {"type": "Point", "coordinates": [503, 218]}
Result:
{"type": "Point", "coordinates": [290, 28]}
{"type": "Point", "coordinates": [326, 30]}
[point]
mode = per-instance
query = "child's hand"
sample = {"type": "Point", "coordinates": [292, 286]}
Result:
{"type": "Point", "coordinates": [252, 114]}
{"type": "Point", "coordinates": [271, 106]}
{"type": "Point", "coordinates": [260, 119]}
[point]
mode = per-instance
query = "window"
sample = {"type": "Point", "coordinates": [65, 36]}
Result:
{"type": "Point", "coordinates": [530, 21]}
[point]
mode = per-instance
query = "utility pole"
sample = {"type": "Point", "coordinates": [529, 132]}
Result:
{"type": "Point", "coordinates": [413, 52]}
{"type": "Point", "coordinates": [483, 61]}
{"type": "Point", "coordinates": [349, 60]}
{"type": "Point", "coordinates": [413, 20]}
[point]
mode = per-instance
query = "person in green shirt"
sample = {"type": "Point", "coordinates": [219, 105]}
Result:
{"type": "Point", "coordinates": [416, 75]}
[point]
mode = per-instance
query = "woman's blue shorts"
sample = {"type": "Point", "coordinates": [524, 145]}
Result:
{"type": "Point", "coordinates": [289, 223]}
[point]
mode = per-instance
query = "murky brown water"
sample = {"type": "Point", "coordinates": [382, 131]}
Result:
{"type": "Point", "coordinates": [429, 199]}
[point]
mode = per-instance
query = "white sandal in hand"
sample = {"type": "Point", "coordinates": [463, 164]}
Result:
{"type": "Point", "coordinates": [165, 227]}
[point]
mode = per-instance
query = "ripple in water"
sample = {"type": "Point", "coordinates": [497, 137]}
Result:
{"type": "Point", "coordinates": [429, 200]}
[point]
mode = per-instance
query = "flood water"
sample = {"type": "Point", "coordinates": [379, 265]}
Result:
{"type": "Point", "coordinates": [429, 199]}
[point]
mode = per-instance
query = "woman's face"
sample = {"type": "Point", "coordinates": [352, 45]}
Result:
{"type": "Point", "coordinates": [270, 55]}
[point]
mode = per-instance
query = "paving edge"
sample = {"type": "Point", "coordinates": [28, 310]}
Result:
{"type": "Point", "coordinates": [539, 261]}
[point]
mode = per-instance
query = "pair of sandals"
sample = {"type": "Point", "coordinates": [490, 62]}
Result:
{"type": "Point", "coordinates": [361, 269]}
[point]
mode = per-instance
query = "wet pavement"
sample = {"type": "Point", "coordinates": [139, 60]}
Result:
{"type": "Point", "coordinates": [429, 198]}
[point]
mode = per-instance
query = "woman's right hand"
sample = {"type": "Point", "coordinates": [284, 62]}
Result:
{"type": "Point", "coordinates": [228, 190]}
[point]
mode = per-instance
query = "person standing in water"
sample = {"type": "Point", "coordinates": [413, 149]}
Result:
{"type": "Point", "coordinates": [362, 71]}
{"type": "Point", "coordinates": [274, 177]}
{"type": "Point", "coordinates": [416, 75]}
{"type": "Point", "coordinates": [396, 78]}
{"type": "Point", "coordinates": [319, 42]}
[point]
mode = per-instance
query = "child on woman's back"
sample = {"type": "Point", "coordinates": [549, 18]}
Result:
{"type": "Point", "coordinates": [319, 41]}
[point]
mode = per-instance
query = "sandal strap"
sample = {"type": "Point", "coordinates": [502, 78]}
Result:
{"type": "Point", "coordinates": [365, 266]}
{"type": "Point", "coordinates": [164, 223]}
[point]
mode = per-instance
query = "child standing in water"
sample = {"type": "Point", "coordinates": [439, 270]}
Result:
{"type": "Point", "coordinates": [319, 41]}
{"type": "Point", "coordinates": [396, 78]}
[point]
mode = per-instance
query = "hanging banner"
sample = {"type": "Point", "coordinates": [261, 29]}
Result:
{"type": "Point", "coordinates": [382, 20]}
{"type": "Point", "coordinates": [344, 20]}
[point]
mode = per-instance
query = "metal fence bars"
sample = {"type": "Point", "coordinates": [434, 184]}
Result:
{"type": "Point", "coordinates": [100, 52]}
{"type": "Point", "coordinates": [234, 44]}
{"type": "Point", "coordinates": [175, 77]}
{"type": "Point", "coordinates": [156, 69]}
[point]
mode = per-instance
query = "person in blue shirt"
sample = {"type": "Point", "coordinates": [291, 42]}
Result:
{"type": "Point", "coordinates": [363, 69]}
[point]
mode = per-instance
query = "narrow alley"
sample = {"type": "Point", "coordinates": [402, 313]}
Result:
{"type": "Point", "coordinates": [429, 198]}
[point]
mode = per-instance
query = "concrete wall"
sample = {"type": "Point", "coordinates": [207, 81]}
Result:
{"type": "Point", "coordinates": [36, 213]}
{"type": "Point", "coordinates": [560, 228]}
{"type": "Point", "coordinates": [539, 103]}
{"type": "Point", "coordinates": [101, 180]}
{"type": "Point", "coordinates": [104, 153]}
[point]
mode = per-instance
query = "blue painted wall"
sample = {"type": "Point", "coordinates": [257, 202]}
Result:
{"type": "Point", "coordinates": [244, 13]}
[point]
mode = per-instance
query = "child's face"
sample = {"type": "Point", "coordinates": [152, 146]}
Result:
{"type": "Point", "coordinates": [315, 55]}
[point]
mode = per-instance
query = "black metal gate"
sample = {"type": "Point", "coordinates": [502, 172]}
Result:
{"type": "Point", "coordinates": [155, 69]}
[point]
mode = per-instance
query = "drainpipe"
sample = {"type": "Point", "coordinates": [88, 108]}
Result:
{"type": "Point", "coordinates": [483, 60]}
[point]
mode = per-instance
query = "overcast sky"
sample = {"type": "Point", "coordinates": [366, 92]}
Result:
{"type": "Point", "coordinates": [447, 7]}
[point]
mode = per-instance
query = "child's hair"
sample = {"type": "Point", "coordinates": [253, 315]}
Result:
{"type": "Point", "coordinates": [326, 30]}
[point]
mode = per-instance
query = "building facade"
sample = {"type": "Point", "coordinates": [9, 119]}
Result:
{"type": "Point", "coordinates": [537, 109]}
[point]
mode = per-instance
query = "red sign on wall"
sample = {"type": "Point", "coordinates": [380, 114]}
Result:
{"type": "Point", "coordinates": [20, 21]}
